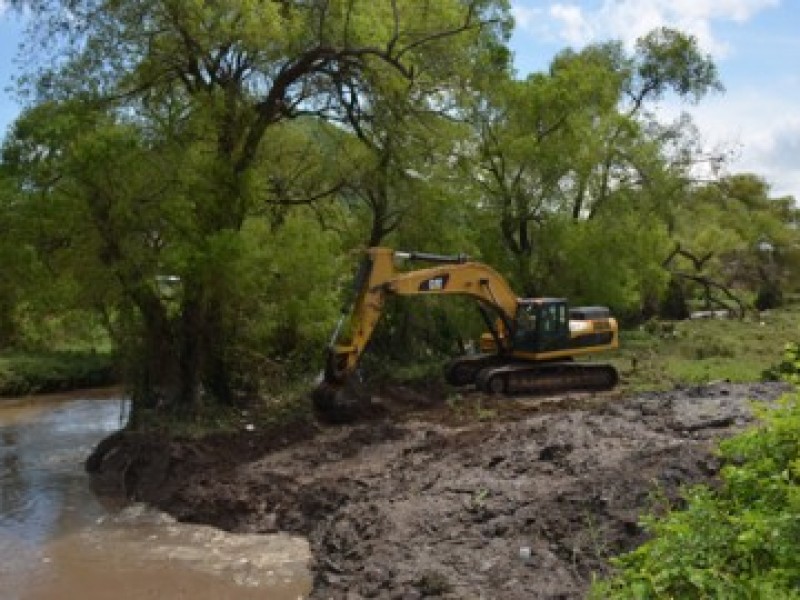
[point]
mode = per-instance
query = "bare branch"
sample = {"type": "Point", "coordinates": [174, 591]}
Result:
{"type": "Point", "coordinates": [710, 283]}
{"type": "Point", "coordinates": [309, 199]}
{"type": "Point", "coordinates": [468, 25]}
{"type": "Point", "coordinates": [395, 28]}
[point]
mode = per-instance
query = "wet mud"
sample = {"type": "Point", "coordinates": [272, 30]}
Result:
{"type": "Point", "coordinates": [480, 497]}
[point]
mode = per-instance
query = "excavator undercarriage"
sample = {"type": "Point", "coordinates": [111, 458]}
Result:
{"type": "Point", "coordinates": [495, 374]}
{"type": "Point", "coordinates": [551, 378]}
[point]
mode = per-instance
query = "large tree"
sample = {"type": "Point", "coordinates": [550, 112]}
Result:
{"type": "Point", "coordinates": [181, 134]}
{"type": "Point", "coordinates": [577, 172]}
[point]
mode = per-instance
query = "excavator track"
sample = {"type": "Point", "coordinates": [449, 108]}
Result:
{"type": "Point", "coordinates": [548, 378]}
{"type": "Point", "coordinates": [464, 370]}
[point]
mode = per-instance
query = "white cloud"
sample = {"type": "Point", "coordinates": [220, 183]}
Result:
{"type": "Point", "coordinates": [630, 19]}
{"type": "Point", "coordinates": [761, 132]}
{"type": "Point", "coordinates": [525, 18]}
{"type": "Point", "coordinates": [777, 157]}
{"type": "Point", "coordinates": [575, 29]}
{"type": "Point", "coordinates": [783, 150]}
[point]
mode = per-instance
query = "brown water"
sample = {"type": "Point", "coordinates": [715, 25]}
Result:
{"type": "Point", "coordinates": [57, 540]}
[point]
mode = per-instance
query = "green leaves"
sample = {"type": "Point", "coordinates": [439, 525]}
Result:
{"type": "Point", "coordinates": [185, 142]}
{"type": "Point", "coordinates": [736, 542]}
{"type": "Point", "coordinates": [789, 368]}
{"type": "Point", "coordinates": [566, 149]}
{"type": "Point", "coordinates": [743, 234]}
{"type": "Point", "coordinates": [668, 59]}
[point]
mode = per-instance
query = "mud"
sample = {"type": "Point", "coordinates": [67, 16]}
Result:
{"type": "Point", "coordinates": [474, 498]}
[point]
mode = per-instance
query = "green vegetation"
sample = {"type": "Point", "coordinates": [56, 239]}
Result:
{"type": "Point", "coordinates": [789, 367]}
{"type": "Point", "coordinates": [36, 372]}
{"type": "Point", "coordinates": [56, 350]}
{"type": "Point", "coordinates": [662, 354]}
{"type": "Point", "coordinates": [738, 541]}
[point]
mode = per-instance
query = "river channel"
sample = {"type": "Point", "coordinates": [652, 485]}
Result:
{"type": "Point", "coordinates": [59, 541]}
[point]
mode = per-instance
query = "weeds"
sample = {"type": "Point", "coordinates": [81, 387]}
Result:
{"type": "Point", "coordinates": [291, 407]}
{"type": "Point", "coordinates": [470, 408]}
{"type": "Point", "coordinates": [660, 355]}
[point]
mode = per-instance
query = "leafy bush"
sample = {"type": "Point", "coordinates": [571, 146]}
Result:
{"type": "Point", "coordinates": [736, 542]}
{"type": "Point", "coordinates": [789, 367]}
{"type": "Point", "coordinates": [28, 373]}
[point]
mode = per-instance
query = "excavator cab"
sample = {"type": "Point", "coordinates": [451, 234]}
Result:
{"type": "Point", "coordinates": [542, 325]}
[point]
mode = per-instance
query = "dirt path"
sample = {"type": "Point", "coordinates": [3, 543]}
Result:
{"type": "Point", "coordinates": [525, 504]}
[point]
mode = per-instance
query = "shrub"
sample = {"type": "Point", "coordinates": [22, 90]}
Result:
{"type": "Point", "coordinates": [35, 372]}
{"type": "Point", "coordinates": [739, 541]}
{"type": "Point", "coordinates": [789, 367]}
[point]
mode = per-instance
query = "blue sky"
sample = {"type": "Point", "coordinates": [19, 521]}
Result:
{"type": "Point", "coordinates": [755, 43]}
{"type": "Point", "coordinates": [10, 37]}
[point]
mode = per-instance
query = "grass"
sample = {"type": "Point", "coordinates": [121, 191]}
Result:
{"type": "Point", "coordinates": [663, 354]}
{"type": "Point", "coordinates": [24, 373]}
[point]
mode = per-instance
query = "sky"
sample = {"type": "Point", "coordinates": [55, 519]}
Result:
{"type": "Point", "coordinates": [10, 37]}
{"type": "Point", "coordinates": [755, 44]}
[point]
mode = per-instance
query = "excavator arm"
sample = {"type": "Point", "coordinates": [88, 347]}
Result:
{"type": "Point", "coordinates": [378, 277]}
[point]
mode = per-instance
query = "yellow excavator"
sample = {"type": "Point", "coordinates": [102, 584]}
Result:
{"type": "Point", "coordinates": [529, 347]}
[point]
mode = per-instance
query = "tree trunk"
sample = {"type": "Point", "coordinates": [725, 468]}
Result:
{"type": "Point", "coordinates": [674, 305]}
{"type": "Point", "coordinates": [152, 373]}
{"type": "Point", "coordinates": [190, 351]}
{"type": "Point", "coordinates": [216, 368]}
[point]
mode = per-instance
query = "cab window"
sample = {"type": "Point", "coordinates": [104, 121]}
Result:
{"type": "Point", "coordinates": [525, 335]}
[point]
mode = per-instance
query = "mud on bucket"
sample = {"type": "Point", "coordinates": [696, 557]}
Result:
{"type": "Point", "coordinates": [343, 402]}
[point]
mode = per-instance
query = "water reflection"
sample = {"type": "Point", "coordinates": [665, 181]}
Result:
{"type": "Point", "coordinates": [58, 541]}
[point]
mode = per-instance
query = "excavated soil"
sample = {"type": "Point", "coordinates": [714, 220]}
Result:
{"type": "Point", "coordinates": [481, 498]}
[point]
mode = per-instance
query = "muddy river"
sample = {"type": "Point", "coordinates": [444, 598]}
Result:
{"type": "Point", "coordinates": [58, 540]}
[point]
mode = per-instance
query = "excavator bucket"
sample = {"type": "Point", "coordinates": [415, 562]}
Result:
{"type": "Point", "coordinates": [342, 402]}
{"type": "Point", "coordinates": [339, 397]}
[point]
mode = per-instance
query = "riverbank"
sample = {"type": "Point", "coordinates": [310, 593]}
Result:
{"type": "Point", "coordinates": [59, 540]}
{"type": "Point", "coordinates": [477, 496]}
{"type": "Point", "coordinates": [23, 372]}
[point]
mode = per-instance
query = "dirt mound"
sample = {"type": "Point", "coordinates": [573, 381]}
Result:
{"type": "Point", "coordinates": [527, 503]}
